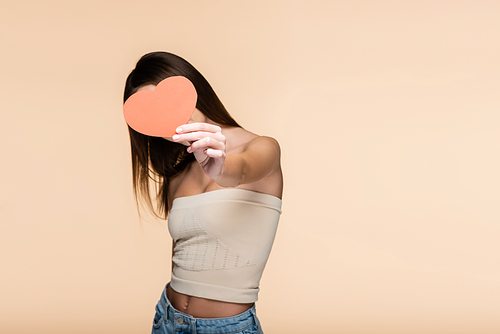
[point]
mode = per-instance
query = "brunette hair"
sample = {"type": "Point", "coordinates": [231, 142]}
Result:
{"type": "Point", "coordinates": [154, 158]}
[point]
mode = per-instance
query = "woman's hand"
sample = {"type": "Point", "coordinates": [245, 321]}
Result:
{"type": "Point", "coordinates": [207, 143]}
{"type": "Point", "coordinates": [258, 158]}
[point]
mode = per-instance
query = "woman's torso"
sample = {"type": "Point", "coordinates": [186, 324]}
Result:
{"type": "Point", "coordinates": [193, 181]}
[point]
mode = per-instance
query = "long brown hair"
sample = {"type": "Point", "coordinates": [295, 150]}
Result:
{"type": "Point", "coordinates": [155, 159]}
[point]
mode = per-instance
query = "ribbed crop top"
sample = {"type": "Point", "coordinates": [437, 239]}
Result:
{"type": "Point", "coordinates": [223, 239]}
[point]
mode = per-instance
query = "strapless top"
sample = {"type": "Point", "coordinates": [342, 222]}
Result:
{"type": "Point", "coordinates": [223, 241]}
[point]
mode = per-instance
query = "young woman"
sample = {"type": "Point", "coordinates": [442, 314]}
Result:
{"type": "Point", "coordinates": [220, 187]}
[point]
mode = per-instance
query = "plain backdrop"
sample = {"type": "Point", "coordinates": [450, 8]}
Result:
{"type": "Point", "coordinates": [387, 113]}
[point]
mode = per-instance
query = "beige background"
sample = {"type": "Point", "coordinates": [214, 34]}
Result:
{"type": "Point", "coordinates": [388, 117]}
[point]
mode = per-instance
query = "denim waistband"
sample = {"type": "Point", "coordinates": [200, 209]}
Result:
{"type": "Point", "coordinates": [189, 324]}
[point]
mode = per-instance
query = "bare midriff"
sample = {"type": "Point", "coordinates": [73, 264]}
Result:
{"type": "Point", "coordinates": [204, 308]}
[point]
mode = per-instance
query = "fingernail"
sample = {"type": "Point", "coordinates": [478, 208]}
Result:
{"type": "Point", "coordinates": [178, 130]}
{"type": "Point", "coordinates": [175, 137]}
{"type": "Point", "coordinates": [189, 149]}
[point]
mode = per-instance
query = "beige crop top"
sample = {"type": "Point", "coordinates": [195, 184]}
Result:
{"type": "Point", "coordinates": [223, 240]}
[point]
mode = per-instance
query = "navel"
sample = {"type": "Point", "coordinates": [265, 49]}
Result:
{"type": "Point", "coordinates": [185, 305]}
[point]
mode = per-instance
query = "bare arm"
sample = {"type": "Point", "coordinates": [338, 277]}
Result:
{"type": "Point", "coordinates": [258, 159]}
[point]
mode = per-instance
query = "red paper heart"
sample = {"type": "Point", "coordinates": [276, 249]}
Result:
{"type": "Point", "coordinates": [159, 112]}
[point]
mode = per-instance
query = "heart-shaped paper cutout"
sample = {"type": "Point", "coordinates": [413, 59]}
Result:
{"type": "Point", "coordinates": [159, 112]}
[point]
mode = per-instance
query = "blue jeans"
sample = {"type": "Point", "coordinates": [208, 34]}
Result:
{"type": "Point", "coordinates": [168, 320]}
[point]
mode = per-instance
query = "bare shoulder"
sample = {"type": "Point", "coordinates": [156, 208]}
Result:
{"type": "Point", "coordinates": [264, 152]}
{"type": "Point", "coordinates": [263, 155]}
{"type": "Point", "coordinates": [259, 157]}
{"type": "Point", "coordinates": [263, 143]}
{"type": "Point", "coordinates": [241, 140]}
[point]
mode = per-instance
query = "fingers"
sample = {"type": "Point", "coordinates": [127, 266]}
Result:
{"type": "Point", "coordinates": [214, 153]}
{"type": "Point", "coordinates": [203, 127]}
{"type": "Point", "coordinates": [199, 135]}
{"type": "Point", "coordinates": [206, 144]}
{"type": "Point", "coordinates": [204, 138]}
